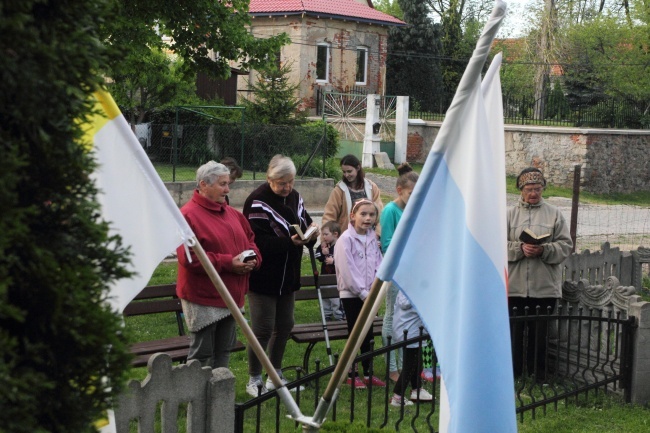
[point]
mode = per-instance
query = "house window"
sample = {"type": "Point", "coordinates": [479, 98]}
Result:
{"type": "Point", "coordinates": [322, 62]}
{"type": "Point", "coordinates": [362, 65]}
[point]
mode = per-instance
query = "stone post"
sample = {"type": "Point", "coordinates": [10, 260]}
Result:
{"type": "Point", "coordinates": [640, 381]}
{"type": "Point", "coordinates": [221, 398]}
{"type": "Point", "coordinates": [371, 138]}
{"type": "Point", "coordinates": [401, 128]}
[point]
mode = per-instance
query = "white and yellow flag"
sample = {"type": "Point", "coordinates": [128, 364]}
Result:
{"type": "Point", "coordinates": [133, 199]}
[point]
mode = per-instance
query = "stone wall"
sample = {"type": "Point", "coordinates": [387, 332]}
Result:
{"type": "Point", "coordinates": [613, 161]}
{"type": "Point", "coordinates": [315, 192]}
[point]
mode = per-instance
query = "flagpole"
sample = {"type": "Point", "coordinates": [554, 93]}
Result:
{"type": "Point", "coordinates": [361, 327]}
{"type": "Point", "coordinates": [283, 392]}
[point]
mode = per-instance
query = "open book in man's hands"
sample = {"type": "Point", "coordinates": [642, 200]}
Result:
{"type": "Point", "coordinates": [528, 237]}
{"type": "Point", "coordinates": [295, 229]}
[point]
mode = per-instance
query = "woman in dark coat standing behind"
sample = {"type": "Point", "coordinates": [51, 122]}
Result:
{"type": "Point", "coordinates": [271, 209]}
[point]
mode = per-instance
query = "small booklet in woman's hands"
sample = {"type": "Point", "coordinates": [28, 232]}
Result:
{"type": "Point", "coordinates": [295, 229]}
{"type": "Point", "coordinates": [528, 237]}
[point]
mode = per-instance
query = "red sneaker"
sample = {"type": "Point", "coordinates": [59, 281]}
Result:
{"type": "Point", "coordinates": [358, 383]}
{"type": "Point", "coordinates": [375, 381]}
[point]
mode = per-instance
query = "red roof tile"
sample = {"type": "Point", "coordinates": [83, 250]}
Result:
{"type": "Point", "coordinates": [343, 9]}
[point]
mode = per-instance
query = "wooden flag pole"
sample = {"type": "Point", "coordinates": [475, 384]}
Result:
{"type": "Point", "coordinates": [361, 327]}
{"type": "Point", "coordinates": [283, 392]}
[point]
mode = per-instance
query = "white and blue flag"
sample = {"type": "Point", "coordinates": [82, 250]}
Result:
{"type": "Point", "coordinates": [449, 257]}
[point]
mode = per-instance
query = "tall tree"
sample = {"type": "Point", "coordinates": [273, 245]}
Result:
{"type": "Point", "coordinates": [608, 55]}
{"type": "Point", "coordinates": [206, 34]}
{"type": "Point", "coordinates": [152, 81]}
{"type": "Point", "coordinates": [413, 65]}
{"type": "Point", "coordinates": [159, 46]}
{"type": "Point", "coordinates": [545, 49]}
{"type": "Point", "coordinates": [458, 20]}
{"type": "Point", "coordinates": [275, 99]}
{"type": "Point", "coordinates": [390, 7]}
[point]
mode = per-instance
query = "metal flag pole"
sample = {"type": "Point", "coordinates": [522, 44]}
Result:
{"type": "Point", "coordinates": [361, 327]}
{"type": "Point", "coordinates": [320, 304]}
{"type": "Point", "coordinates": [283, 392]}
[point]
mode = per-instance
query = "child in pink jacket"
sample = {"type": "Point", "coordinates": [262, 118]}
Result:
{"type": "Point", "coordinates": [357, 257]}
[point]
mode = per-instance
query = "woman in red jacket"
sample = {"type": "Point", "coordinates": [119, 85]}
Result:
{"type": "Point", "coordinates": [224, 234]}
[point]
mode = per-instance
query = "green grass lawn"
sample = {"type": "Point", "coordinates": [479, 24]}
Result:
{"type": "Point", "coordinates": [186, 173]}
{"type": "Point", "coordinates": [602, 413]}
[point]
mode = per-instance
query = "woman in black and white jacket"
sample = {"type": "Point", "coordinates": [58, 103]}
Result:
{"type": "Point", "coordinates": [271, 210]}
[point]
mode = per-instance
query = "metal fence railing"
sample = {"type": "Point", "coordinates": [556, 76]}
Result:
{"type": "Point", "coordinates": [176, 151]}
{"type": "Point", "coordinates": [556, 110]}
{"type": "Point", "coordinates": [553, 110]}
{"type": "Point", "coordinates": [575, 368]}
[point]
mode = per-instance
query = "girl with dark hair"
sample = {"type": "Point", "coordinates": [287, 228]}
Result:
{"type": "Point", "coordinates": [353, 187]}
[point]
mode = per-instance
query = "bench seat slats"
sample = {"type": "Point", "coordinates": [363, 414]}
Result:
{"type": "Point", "coordinates": [162, 345]}
{"type": "Point", "coordinates": [161, 291]}
{"type": "Point", "coordinates": [152, 307]}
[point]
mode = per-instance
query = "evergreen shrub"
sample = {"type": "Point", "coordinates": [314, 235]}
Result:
{"type": "Point", "coordinates": [59, 342]}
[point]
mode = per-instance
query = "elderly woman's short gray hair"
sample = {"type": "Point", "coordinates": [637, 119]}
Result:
{"type": "Point", "coordinates": [279, 167]}
{"type": "Point", "coordinates": [210, 171]}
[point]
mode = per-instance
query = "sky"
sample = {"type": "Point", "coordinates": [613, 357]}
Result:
{"type": "Point", "coordinates": [514, 23]}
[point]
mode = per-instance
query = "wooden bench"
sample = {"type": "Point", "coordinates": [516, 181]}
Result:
{"type": "Point", "coordinates": [162, 299]}
{"type": "Point", "coordinates": [155, 300]}
{"type": "Point", "coordinates": [313, 333]}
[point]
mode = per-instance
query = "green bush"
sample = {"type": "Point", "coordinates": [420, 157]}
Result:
{"type": "Point", "coordinates": [59, 341]}
{"type": "Point", "coordinates": [315, 130]}
{"type": "Point", "coordinates": [557, 107]}
{"type": "Point", "coordinates": [315, 168]}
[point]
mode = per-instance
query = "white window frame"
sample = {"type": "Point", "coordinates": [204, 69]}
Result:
{"type": "Point", "coordinates": [365, 66]}
{"type": "Point", "coordinates": [327, 63]}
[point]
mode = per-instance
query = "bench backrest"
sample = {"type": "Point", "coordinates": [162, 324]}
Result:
{"type": "Point", "coordinates": [157, 299]}
{"type": "Point", "coordinates": [327, 284]}
{"type": "Point", "coordinates": [154, 299]}
{"type": "Point", "coordinates": [162, 298]}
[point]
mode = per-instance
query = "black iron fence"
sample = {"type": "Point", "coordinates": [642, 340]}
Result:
{"type": "Point", "coordinates": [584, 353]}
{"type": "Point", "coordinates": [177, 151]}
{"type": "Point", "coordinates": [555, 109]}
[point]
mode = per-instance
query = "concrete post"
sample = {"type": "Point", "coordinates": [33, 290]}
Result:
{"type": "Point", "coordinates": [640, 392]}
{"type": "Point", "coordinates": [401, 128]}
{"type": "Point", "coordinates": [221, 390]}
{"type": "Point", "coordinates": [371, 138]}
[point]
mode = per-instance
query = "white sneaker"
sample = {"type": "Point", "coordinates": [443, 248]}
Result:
{"type": "Point", "coordinates": [424, 395]}
{"type": "Point", "coordinates": [252, 388]}
{"type": "Point", "coordinates": [397, 401]}
{"type": "Point", "coordinates": [271, 387]}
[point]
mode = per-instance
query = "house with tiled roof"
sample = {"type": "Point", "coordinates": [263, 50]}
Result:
{"type": "Point", "coordinates": [335, 44]}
